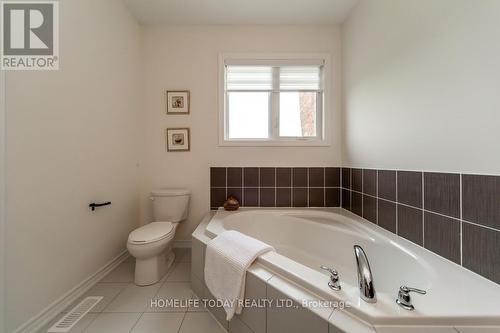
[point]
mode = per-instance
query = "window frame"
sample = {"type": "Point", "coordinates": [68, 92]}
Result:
{"type": "Point", "coordinates": [323, 117]}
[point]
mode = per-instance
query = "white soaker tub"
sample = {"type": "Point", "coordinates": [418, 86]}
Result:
{"type": "Point", "coordinates": [308, 238]}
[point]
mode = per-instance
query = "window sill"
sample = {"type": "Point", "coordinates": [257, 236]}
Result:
{"type": "Point", "coordinates": [267, 143]}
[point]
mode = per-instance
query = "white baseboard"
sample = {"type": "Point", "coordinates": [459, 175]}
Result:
{"type": "Point", "coordinates": [51, 311]}
{"type": "Point", "coordinates": [182, 244]}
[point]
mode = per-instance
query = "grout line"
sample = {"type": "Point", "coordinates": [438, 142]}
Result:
{"type": "Point", "coordinates": [376, 199]}
{"type": "Point", "coordinates": [439, 171]}
{"type": "Point", "coordinates": [267, 309]}
{"type": "Point", "coordinates": [423, 207]}
{"type": "Point", "coordinates": [111, 282]}
{"type": "Point", "coordinates": [350, 192]}
{"type": "Point", "coordinates": [480, 225]}
{"type": "Point", "coordinates": [307, 175]}
{"type": "Point", "coordinates": [419, 208]}
{"type": "Point", "coordinates": [245, 324]}
{"type": "Point", "coordinates": [242, 186]}
{"type": "Point", "coordinates": [362, 190]}
{"type": "Point", "coordinates": [258, 187]}
{"type": "Point", "coordinates": [92, 320]}
{"type": "Point", "coordinates": [116, 296]}
{"type": "Point", "coordinates": [135, 324]}
{"type": "Point", "coordinates": [275, 187]}
{"type": "Point", "coordinates": [99, 313]}
{"type": "Point", "coordinates": [397, 215]}
{"type": "Point", "coordinates": [341, 199]}
{"type": "Point", "coordinates": [324, 187]}
{"type": "Point", "coordinates": [182, 321]}
{"type": "Point", "coordinates": [461, 225]}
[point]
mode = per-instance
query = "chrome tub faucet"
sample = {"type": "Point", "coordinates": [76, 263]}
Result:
{"type": "Point", "coordinates": [334, 282]}
{"type": "Point", "coordinates": [365, 278]}
{"type": "Point", "coordinates": [404, 299]}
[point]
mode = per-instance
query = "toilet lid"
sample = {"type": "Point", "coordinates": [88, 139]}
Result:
{"type": "Point", "coordinates": [151, 232]}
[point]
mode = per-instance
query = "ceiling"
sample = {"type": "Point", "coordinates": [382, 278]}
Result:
{"type": "Point", "coordinates": [181, 12]}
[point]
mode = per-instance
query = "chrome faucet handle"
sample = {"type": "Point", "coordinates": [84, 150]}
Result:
{"type": "Point", "coordinates": [410, 289]}
{"type": "Point", "coordinates": [404, 299]}
{"type": "Point", "coordinates": [332, 271]}
{"type": "Point", "coordinates": [334, 282]}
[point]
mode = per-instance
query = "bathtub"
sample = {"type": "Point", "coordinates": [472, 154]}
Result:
{"type": "Point", "coordinates": [305, 239]}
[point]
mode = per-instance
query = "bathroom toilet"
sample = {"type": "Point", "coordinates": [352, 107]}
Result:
{"type": "Point", "coordinates": [151, 244]}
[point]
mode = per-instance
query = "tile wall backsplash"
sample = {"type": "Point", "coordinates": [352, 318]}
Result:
{"type": "Point", "coordinates": [454, 215]}
{"type": "Point", "coordinates": [276, 187]}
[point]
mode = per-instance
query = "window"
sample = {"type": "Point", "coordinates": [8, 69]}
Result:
{"type": "Point", "coordinates": [272, 101]}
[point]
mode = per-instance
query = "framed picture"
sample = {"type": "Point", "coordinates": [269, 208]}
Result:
{"type": "Point", "coordinates": [178, 139]}
{"type": "Point", "coordinates": [178, 102]}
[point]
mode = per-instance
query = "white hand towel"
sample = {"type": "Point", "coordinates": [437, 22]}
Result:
{"type": "Point", "coordinates": [227, 259]}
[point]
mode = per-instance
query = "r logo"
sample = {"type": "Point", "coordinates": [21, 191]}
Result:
{"type": "Point", "coordinates": [28, 29]}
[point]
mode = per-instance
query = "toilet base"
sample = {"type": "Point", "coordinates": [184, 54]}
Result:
{"type": "Point", "coordinates": [151, 270]}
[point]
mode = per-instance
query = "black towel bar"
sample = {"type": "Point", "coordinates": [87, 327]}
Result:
{"type": "Point", "coordinates": [94, 205]}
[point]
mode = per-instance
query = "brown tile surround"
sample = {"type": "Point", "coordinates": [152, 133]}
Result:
{"type": "Point", "coordinates": [454, 215]}
{"type": "Point", "coordinates": [276, 187]}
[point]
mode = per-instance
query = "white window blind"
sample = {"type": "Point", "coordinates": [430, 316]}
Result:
{"type": "Point", "coordinates": [273, 100]}
{"type": "Point", "coordinates": [260, 78]}
{"type": "Point", "coordinates": [300, 78]}
{"type": "Point", "coordinates": [254, 78]}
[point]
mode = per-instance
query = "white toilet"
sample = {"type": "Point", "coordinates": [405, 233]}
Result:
{"type": "Point", "coordinates": [151, 244]}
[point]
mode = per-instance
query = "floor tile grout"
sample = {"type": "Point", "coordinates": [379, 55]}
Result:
{"type": "Point", "coordinates": [111, 301]}
{"type": "Point", "coordinates": [183, 259]}
{"type": "Point", "coordinates": [135, 324]}
{"type": "Point", "coordinates": [182, 322]}
{"type": "Point", "coordinates": [90, 322]}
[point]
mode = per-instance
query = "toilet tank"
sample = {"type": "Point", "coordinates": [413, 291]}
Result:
{"type": "Point", "coordinates": [170, 204]}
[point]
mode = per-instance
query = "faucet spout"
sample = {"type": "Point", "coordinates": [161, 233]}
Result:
{"type": "Point", "coordinates": [365, 278]}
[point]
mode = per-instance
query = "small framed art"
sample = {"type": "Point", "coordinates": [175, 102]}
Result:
{"type": "Point", "coordinates": [178, 102]}
{"type": "Point", "coordinates": [178, 139]}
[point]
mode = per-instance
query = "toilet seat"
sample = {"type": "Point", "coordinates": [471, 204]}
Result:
{"type": "Point", "coordinates": [151, 232]}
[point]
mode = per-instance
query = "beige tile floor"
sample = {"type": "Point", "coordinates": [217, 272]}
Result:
{"type": "Point", "coordinates": [127, 307]}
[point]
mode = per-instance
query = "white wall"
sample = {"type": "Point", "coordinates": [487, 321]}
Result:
{"type": "Point", "coordinates": [421, 85]}
{"type": "Point", "coordinates": [2, 201]}
{"type": "Point", "coordinates": [186, 57]}
{"type": "Point", "coordinates": [72, 138]}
